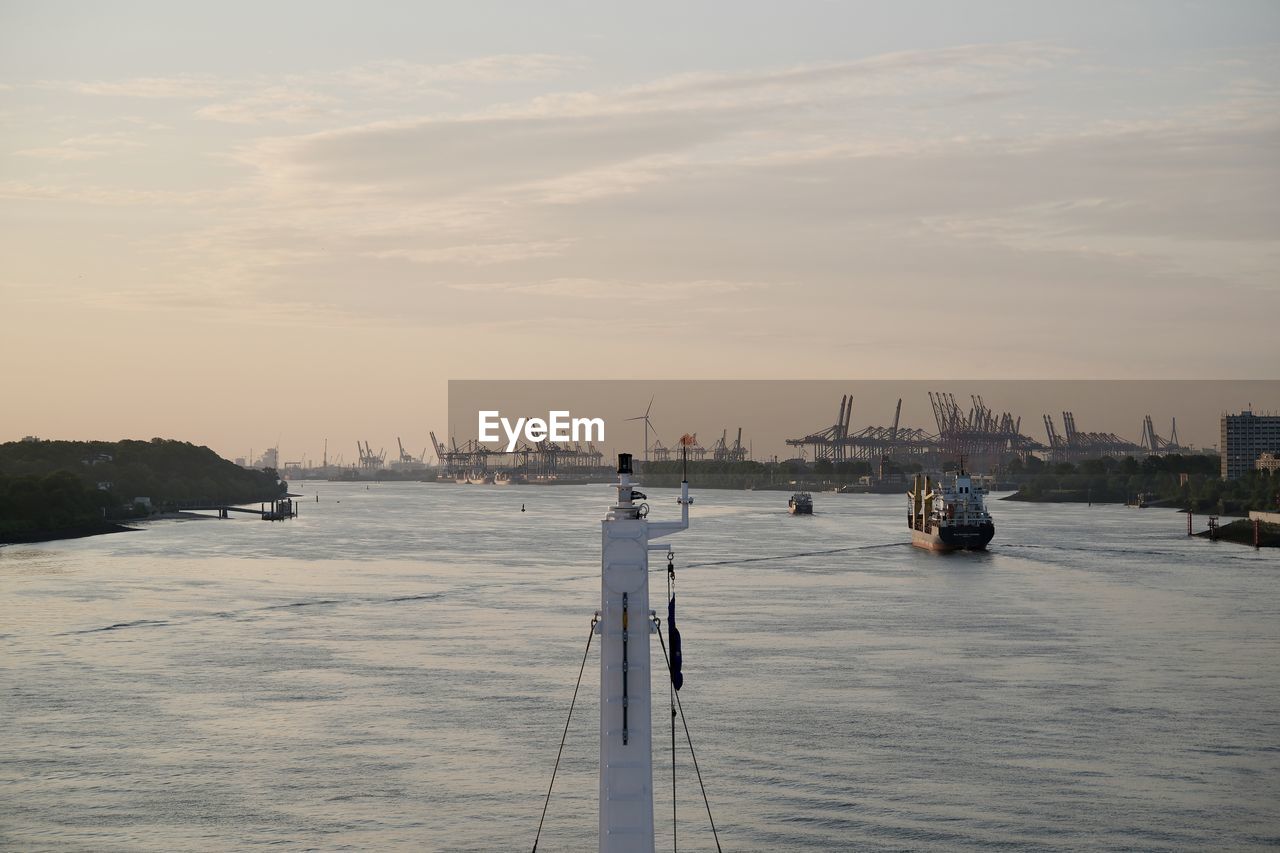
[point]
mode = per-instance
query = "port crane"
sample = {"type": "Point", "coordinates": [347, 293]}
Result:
{"type": "Point", "coordinates": [369, 459]}
{"type": "Point", "coordinates": [838, 444]}
{"type": "Point", "coordinates": [442, 452]}
{"type": "Point", "coordinates": [830, 443]}
{"type": "Point", "coordinates": [721, 451]}
{"type": "Point", "coordinates": [1155, 444]}
{"type": "Point", "coordinates": [1078, 444]}
{"type": "Point", "coordinates": [408, 458]}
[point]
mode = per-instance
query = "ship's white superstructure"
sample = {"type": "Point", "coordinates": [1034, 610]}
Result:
{"type": "Point", "coordinates": [626, 728]}
{"type": "Point", "coordinates": [949, 517]}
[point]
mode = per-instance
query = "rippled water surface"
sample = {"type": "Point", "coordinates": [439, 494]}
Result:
{"type": "Point", "coordinates": [391, 671]}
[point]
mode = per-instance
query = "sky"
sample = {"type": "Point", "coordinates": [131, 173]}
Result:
{"type": "Point", "coordinates": [244, 224]}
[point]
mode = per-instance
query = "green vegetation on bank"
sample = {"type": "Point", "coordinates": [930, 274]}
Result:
{"type": "Point", "coordinates": [60, 485]}
{"type": "Point", "coordinates": [1187, 482]}
{"type": "Point", "coordinates": [57, 501]}
{"type": "Point", "coordinates": [1240, 531]}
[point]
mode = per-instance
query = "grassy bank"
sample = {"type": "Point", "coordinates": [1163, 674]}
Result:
{"type": "Point", "coordinates": [1241, 532]}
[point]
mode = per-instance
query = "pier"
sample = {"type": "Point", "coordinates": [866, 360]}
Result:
{"type": "Point", "coordinates": [278, 510]}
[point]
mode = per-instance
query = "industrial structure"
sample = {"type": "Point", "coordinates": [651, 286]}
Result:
{"type": "Point", "coordinates": [545, 461]}
{"type": "Point", "coordinates": [976, 434]}
{"type": "Point", "coordinates": [722, 451]}
{"type": "Point", "coordinates": [984, 438]}
{"type": "Point", "coordinates": [370, 461]}
{"type": "Point", "coordinates": [1154, 444]}
{"type": "Point", "coordinates": [1075, 445]}
{"type": "Point", "coordinates": [408, 460]}
{"type": "Point", "coordinates": [981, 436]}
{"type": "Point", "coordinates": [836, 444]}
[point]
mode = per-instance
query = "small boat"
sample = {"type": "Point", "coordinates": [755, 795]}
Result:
{"type": "Point", "coordinates": [801, 503]}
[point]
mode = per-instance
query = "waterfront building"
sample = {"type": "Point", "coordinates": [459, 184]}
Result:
{"type": "Point", "coordinates": [1245, 437]}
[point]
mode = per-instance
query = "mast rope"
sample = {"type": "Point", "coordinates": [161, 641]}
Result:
{"type": "Point", "coordinates": [684, 720]}
{"type": "Point", "coordinates": [671, 697]}
{"type": "Point", "coordinates": [591, 632]}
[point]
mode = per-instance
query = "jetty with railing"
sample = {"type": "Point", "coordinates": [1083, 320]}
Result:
{"type": "Point", "coordinates": [280, 509]}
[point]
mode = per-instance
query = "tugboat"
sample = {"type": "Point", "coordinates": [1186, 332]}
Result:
{"type": "Point", "coordinates": [801, 503]}
{"type": "Point", "coordinates": [952, 518]}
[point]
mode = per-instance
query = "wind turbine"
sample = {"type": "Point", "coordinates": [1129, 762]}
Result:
{"type": "Point", "coordinates": [647, 427]}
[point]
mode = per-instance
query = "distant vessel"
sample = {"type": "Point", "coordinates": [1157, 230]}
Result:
{"type": "Point", "coordinates": [801, 503]}
{"type": "Point", "coordinates": [951, 518]}
{"type": "Point", "coordinates": [508, 478]}
{"type": "Point", "coordinates": [479, 478]}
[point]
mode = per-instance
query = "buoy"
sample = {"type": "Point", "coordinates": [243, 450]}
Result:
{"type": "Point", "coordinates": [522, 507]}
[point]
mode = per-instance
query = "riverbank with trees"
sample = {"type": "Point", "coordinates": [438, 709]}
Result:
{"type": "Point", "coordinates": [1186, 482]}
{"type": "Point", "coordinates": [65, 489]}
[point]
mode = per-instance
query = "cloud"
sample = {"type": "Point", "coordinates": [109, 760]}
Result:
{"type": "Point", "coordinates": [89, 147]}
{"type": "Point", "coordinates": [452, 156]}
{"type": "Point", "coordinates": [300, 97]}
{"type": "Point", "coordinates": [208, 200]}
{"type": "Point", "coordinates": [567, 147]}
{"type": "Point", "coordinates": [395, 74]}
{"type": "Point", "coordinates": [950, 188]}
{"type": "Point", "coordinates": [933, 72]}
{"type": "Point", "coordinates": [190, 87]}
{"type": "Point", "coordinates": [478, 254]}
{"type": "Point", "coordinates": [383, 78]}
{"type": "Point", "coordinates": [274, 103]}
{"type": "Point", "coordinates": [598, 289]}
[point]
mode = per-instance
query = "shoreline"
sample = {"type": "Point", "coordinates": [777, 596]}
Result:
{"type": "Point", "coordinates": [31, 537]}
{"type": "Point", "coordinates": [1240, 532]}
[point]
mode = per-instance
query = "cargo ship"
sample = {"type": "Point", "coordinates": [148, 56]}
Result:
{"type": "Point", "coordinates": [951, 517]}
{"type": "Point", "coordinates": [801, 503]}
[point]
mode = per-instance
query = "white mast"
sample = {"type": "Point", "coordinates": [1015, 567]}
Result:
{"type": "Point", "coordinates": [626, 726]}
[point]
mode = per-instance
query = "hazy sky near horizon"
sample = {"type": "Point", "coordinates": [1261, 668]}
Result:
{"type": "Point", "coordinates": [243, 223]}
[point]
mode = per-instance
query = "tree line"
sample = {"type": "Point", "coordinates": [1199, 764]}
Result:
{"type": "Point", "coordinates": [1187, 482]}
{"type": "Point", "coordinates": [50, 485]}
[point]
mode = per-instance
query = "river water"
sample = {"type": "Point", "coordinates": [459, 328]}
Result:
{"type": "Point", "coordinates": [391, 671]}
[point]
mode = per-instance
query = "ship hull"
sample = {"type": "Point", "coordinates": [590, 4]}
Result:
{"type": "Point", "coordinates": [800, 510]}
{"type": "Point", "coordinates": [972, 537]}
